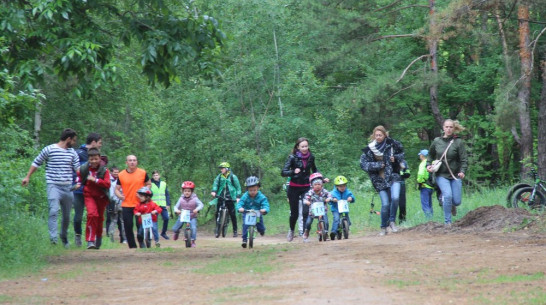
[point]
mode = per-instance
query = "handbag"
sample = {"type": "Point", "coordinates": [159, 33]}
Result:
{"type": "Point", "coordinates": [435, 165]}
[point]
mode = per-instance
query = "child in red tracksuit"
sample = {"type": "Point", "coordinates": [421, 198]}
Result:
{"type": "Point", "coordinates": [95, 179]}
{"type": "Point", "coordinates": [147, 206]}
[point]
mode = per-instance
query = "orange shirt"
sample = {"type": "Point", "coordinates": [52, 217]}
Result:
{"type": "Point", "coordinates": [130, 183]}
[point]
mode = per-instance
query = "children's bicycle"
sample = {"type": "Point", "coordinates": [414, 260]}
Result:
{"type": "Point", "coordinates": [318, 211]}
{"type": "Point", "coordinates": [343, 227]}
{"type": "Point", "coordinates": [147, 227]}
{"type": "Point", "coordinates": [532, 196]}
{"type": "Point", "coordinates": [185, 219]}
{"type": "Point", "coordinates": [222, 220]}
{"type": "Point", "coordinates": [251, 219]}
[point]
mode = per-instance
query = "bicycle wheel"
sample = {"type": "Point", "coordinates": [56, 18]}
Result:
{"type": "Point", "coordinates": [250, 237]}
{"type": "Point", "coordinates": [218, 228]}
{"type": "Point", "coordinates": [223, 221]}
{"type": "Point", "coordinates": [512, 191]}
{"type": "Point", "coordinates": [345, 227]}
{"type": "Point", "coordinates": [187, 237]}
{"type": "Point", "coordinates": [522, 199]}
{"type": "Point", "coordinates": [320, 229]}
{"type": "Point", "coordinates": [148, 238]}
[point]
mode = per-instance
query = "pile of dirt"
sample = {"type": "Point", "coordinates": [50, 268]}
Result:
{"type": "Point", "coordinates": [494, 218]}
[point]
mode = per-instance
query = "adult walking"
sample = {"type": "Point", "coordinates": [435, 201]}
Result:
{"type": "Point", "coordinates": [94, 140]}
{"type": "Point", "coordinates": [425, 185]}
{"type": "Point", "coordinates": [114, 213]}
{"type": "Point", "coordinates": [131, 180]}
{"type": "Point", "coordinates": [228, 187]}
{"type": "Point", "coordinates": [378, 160]}
{"type": "Point", "coordinates": [299, 166]}
{"type": "Point", "coordinates": [162, 199]}
{"type": "Point", "coordinates": [450, 149]}
{"type": "Point", "coordinates": [61, 162]}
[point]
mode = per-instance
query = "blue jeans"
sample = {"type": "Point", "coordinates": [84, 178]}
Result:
{"type": "Point", "coordinates": [389, 204]}
{"type": "Point", "coordinates": [193, 226]}
{"type": "Point", "coordinates": [335, 224]}
{"type": "Point", "coordinates": [452, 193]}
{"type": "Point", "coordinates": [259, 226]}
{"type": "Point", "coordinates": [310, 218]}
{"type": "Point", "coordinates": [426, 201]}
{"type": "Point", "coordinates": [165, 217]}
{"type": "Point", "coordinates": [154, 231]}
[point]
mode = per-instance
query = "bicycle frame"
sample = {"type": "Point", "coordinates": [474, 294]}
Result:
{"type": "Point", "coordinates": [252, 217]}
{"type": "Point", "coordinates": [222, 220]}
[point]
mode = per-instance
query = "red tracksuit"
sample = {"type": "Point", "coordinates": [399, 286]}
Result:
{"type": "Point", "coordinates": [95, 200]}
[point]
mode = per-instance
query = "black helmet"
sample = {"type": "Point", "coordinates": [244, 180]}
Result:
{"type": "Point", "coordinates": [252, 181]}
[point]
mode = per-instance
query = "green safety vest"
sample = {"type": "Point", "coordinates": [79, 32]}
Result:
{"type": "Point", "coordinates": [159, 193]}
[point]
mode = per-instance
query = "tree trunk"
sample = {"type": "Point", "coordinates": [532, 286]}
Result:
{"type": "Point", "coordinates": [37, 124]}
{"type": "Point", "coordinates": [542, 123]}
{"type": "Point", "coordinates": [433, 48]}
{"type": "Point", "coordinates": [524, 93]}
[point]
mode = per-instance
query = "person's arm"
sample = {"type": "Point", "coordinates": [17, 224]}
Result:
{"type": "Point", "coordinates": [370, 166]}
{"type": "Point", "coordinates": [31, 171]}
{"type": "Point", "coordinates": [264, 205]}
{"type": "Point", "coordinates": [167, 196]}
{"type": "Point", "coordinates": [422, 174]}
{"type": "Point", "coordinates": [177, 206]}
{"type": "Point", "coordinates": [463, 158]}
{"type": "Point", "coordinates": [287, 168]}
{"type": "Point", "coordinates": [104, 183]}
{"type": "Point", "coordinates": [215, 186]}
{"type": "Point", "coordinates": [240, 204]}
{"type": "Point", "coordinates": [147, 181]}
{"type": "Point", "coordinates": [200, 205]}
{"type": "Point", "coordinates": [118, 192]}
{"type": "Point", "coordinates": [237, 186]}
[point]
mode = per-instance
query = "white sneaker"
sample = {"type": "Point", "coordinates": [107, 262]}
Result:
{"type": "Point", "coordinates": [290, 235]}
{"type": "Point", "coordinates": [383, 232]}
{"type": "Point", "coordinates": [393, 227]}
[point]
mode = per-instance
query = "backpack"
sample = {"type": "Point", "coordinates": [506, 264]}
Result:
{"type": "Point", "coordinates": [101, 172]}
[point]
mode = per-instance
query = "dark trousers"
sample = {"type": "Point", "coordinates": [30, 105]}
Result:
{"type": "Point", "coordinates": [165, 217]}
{"type": "Point", "coordinates": [294, 194]}
{"type": "Point", "coordinates": [402, 202]}
{"type": "Point", "coordinates": [231, 210]}
{"type": "Point", "coordinates": [128, 219]}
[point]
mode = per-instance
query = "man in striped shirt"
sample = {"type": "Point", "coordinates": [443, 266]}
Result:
{"type": "Point", "coordinates": [61, 161]}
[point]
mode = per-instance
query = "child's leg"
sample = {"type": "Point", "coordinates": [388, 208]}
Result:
{"type": "Point", "coordinates": [92, 219]}
{"type": "Point", "coordinates": [335, 224]}
{"type": "Point", "coordinates": [260, 226]}
{"type": "Point", "coordinates": [101, 207]}
{"type": "Point", "coordinates": [154, 231]}
{"type": "Point", "coordinates": [325, 218]}
{"type": "Point", "coordinates": [177, 226]}
{"type": "Point", "coordinates": [245, 230]}
{"type": "Point", "coordinates": [193, 225]}
{"type": "Point", "coordinates": [309, 222]}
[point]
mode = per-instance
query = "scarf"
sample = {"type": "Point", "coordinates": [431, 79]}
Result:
{"type": "Point", "coordinates": [303, 157]}
{"type": "Point", "coordinates": [378, 148]}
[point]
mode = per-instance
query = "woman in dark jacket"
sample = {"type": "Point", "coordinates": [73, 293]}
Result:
{"type": "Point", "coordinates": [450, 174]}
{"type": "Point", "coordinates": [380, 160]}
{"type": "Point", "coordinates": [299, 166]}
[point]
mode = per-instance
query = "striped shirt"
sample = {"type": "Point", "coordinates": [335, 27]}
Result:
{"type": "Point", "coordinates": [60, 164]}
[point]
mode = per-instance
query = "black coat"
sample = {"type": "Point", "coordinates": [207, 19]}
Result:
{"type": "Point", "coordinates": [294, 162]}
{"type": "Point", "coordinates": [373, 167]}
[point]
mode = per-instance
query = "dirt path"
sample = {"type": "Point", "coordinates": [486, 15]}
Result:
{"type": "Point", "coordinates": [425, 265]}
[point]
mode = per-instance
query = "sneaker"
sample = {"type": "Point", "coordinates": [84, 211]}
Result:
{"type": "Point", "coordinates": [393, 227]}
{"type": "Point", "coordinates": [164, 235]}
{"type": "Point", "coordinates": [448, 225]}
{"type": "Point", "coordinates": [333, 236]}
{"type": "Point", "coordinates": [383, 232]}
{"type": "Point", "coordinates": [453, 210]}
{"type": "Point", "coordinates": [78, 240]}
{"type": "Point", "coordinates": [124, 241]}
{"type": "Point", "coordinates": [306, 234]}
{"type": "Point", "coordinates": [91, 245]}
{"type": "Point", "coordinates": [262, 233]}
{"type": "Point", "coordinates": [193, 245]}
{"type": "Point", "coordinates": [53, 242]}
{"type": "Point", "coordinates": [290, 235]}
{"type": "Point", "coordinates": [234, 233]}
{"type": "Point", "coordinates": [98, 242]}
{"type": "Point", "coordinates": [111, 235]}
{"type": "Point", "coordinates": [300, 233]}
{"type": "Point", "coordinates": [243, 244]}
{"type": "Point", "coordinates": [65, 243]}
{"type": "Point", "coordinates": [157, 244]}
{"type": "Point", "coordinates": [176, 234]}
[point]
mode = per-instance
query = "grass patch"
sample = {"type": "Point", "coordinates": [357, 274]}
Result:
{"type": "Point", "coordinates": [513, 278]}
{"type": "Point", "coordinates": [257, 261]}
{"type": "Point", "coordinates": [403, 283]}
{"type": "Point", "coordinates": [534, 296]}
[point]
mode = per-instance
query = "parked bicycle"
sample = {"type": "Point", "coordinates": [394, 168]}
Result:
{"type": "Point", "coordinates": [532, 196]}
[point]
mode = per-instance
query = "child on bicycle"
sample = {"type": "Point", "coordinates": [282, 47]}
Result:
{"type": "Point", "coordinates": [188, 201]}
{"type": "Point", "coordinates": [317, 193]}
{"type": "Point", "coordinates": [253, 199]}
{"type": "Point", "coordinates": [340, 192]}
{"type": "Point", "coordinates": [147, 206]}
{"type": "Point", "coordinates": [228, 189]}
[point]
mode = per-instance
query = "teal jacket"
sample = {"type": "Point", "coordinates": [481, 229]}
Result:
{"type": "Point", "coordinates": [233, 186]}
{"type": "Point", "coordinates": [257, 203]}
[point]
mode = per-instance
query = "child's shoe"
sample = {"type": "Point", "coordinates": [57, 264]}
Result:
{"type": "Point", "coordinates": [193, 244]}
{"type": "Point", "coordinates": [157, 244]}
{"type": "Point", "coordinates": [290, 235]}
{"type": "Point", "coordinates": [306, 236]}
{"type": "Point", "coordinates": [333, 236]}
{"type": "Point", "coordinates": [243, 244]}
{"type": "Point", "coordinates": [176, 234]}
{"type": "Point", "coordinates": [78, 240]}
{"type": "Point", "coordinates": [262, 233]}
{"type": "Point", "coordinates": [91, 245]}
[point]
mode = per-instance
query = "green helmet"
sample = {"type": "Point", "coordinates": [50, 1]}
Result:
{"type": "Point", "coordinates": [340, 180]}
{"type": "Point", "coordinates": [224, 165]}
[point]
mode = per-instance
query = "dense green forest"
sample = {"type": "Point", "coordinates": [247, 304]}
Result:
{"type": "Point", "coordinates": [185, 85]}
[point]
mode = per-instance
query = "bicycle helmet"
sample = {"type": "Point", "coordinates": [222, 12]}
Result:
{"type": "Point", "coordinates": [252, 181]}
{"type": "Point", "coordinates": [224, 165]}
{"type": "Point", "coordinates": [188, 185]}
{"type": "Point", "coordinates": [340, 180]}
{"type": "Point", "coordinates": [315, 176]}
{"type": "Point", "coordinates": [145, 191]}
